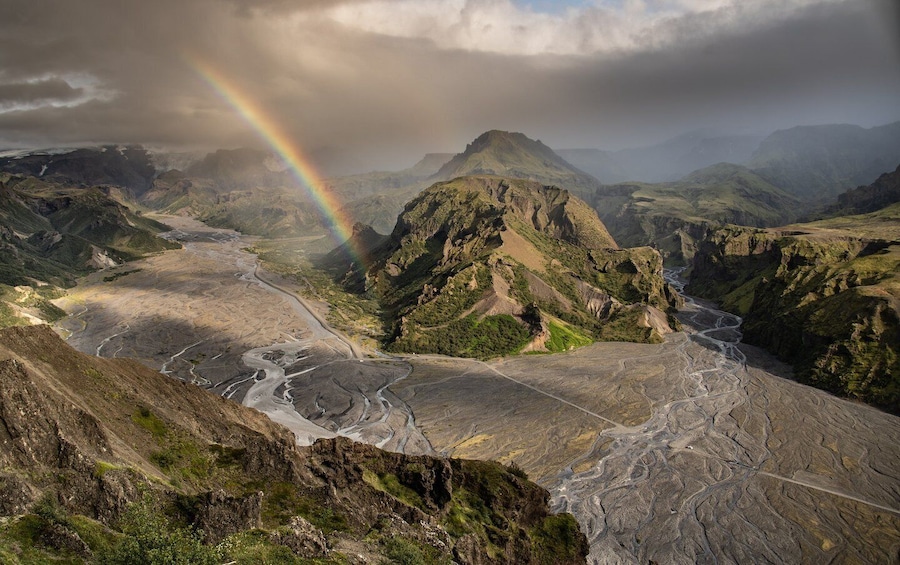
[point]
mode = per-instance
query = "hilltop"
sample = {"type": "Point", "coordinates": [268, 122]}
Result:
{"type": "Point", "coordinates": [514, 155]}
{"type": "Point", "coordinates": [483, 266]}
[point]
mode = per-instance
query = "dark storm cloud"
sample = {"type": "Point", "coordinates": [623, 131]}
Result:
{"type": "Point", "coordinates": [37, 92]}
{"type": "Point", "coordinates": [375, 98]}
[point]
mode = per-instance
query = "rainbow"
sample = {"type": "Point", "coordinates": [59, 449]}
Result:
{"type": "Point", "coordinates": [301, 167]}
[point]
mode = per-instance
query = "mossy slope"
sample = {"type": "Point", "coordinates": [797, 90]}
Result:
{"type": "Point", "coordinates": [824, 296]}
{"type": "Point", "coordinates": [478, 265]}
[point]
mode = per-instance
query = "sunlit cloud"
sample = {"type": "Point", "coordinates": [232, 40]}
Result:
{"type": "Point", "coordinates": [575, 28]}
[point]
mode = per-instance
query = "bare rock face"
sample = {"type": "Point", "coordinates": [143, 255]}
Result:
{"type": "Point", "coordinates": [39, 430]}
{"type": "Point", "coordinates": [16, 494]}
{"type": "Point", "coordinates": [220, 515]}
{"type": "Point", "coordinates": [468, 552]}
{"type": "Point", "coordinates": [301, 537]}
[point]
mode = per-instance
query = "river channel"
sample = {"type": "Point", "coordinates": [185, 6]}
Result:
{"type": "Point", "coordinates": [690, 451]}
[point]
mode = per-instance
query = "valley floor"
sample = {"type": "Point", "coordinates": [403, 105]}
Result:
{"type": "Point", "coordinates": [688, 451]}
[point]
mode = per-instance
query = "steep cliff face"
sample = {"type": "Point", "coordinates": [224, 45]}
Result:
{"type": "Point", "coordinates": [826, 300]}
{"type": "Point", "coordinates": [868, 198]}
{"type": "Point", "coordinates": [483, 266]}
{"type": "Point", "coordinates": [88, 444]}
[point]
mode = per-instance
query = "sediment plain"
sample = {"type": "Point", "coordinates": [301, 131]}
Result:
{"type": "Point", "coordinates": [207, 314]}
{"type": "Point", "coordinates": [695, 450]}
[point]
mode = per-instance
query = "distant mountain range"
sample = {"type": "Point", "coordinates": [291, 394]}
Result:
{"type": "Point", "coordinates": [808, 162]}
{"type": "Point", "coordinates": [817, 163]}
{"type": "Point", "coordinates": [664, 162]}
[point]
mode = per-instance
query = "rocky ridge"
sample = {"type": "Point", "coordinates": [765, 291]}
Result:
{"type": "Point", "coordinates": [90, 445]}
{"type": "Point", "coordinates": [825, 299]}
{"type": "Point", "coordinates": [493, 265]}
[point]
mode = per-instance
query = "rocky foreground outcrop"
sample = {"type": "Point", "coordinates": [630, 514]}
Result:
{"type": "Point", "coordinates": [823, 299]}
{"type": "Point", "coordinates": [97, 455]}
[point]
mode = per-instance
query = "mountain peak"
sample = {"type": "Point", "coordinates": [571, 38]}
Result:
{"type": "Point", "coordinates": [514, 155]}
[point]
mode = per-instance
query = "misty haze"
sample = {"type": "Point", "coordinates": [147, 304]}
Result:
{"type": "Point", "coordinates": [450, 281]}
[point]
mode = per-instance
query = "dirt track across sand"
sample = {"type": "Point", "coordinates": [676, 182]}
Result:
{"type": "Point", "coordinates": [691, 451]}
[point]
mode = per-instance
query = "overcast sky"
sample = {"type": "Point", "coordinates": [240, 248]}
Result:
{"type": "Point", "coordinates": [380, 82]}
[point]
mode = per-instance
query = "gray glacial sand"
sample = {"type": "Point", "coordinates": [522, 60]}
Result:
{"type": "Point", "coordinates": [681, 452]}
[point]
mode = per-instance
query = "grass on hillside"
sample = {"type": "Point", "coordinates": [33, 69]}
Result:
{"type": "Point", "coordinates": [564, 337]}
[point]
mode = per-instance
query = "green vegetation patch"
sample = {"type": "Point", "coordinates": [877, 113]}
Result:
{"type": "Point", "coordinates": [390, 484]}
{"type": "Point", "coordinates": [564, 337]}
{"type": "Point", "coordinates": [401, 551]}
{"type": "Point", "coordinates": [8, 317]}
{"type": "Point", "coordinates": [284, 500]}
{"type": "Point", "coordinates": [458, 294]}
{"type": "Point", "coordinates": [556, 539]}
{"type": "Point", "coordinates": [492, 336]}
{"type": "Point", "coordinates": [627, 326]}
{"type": "Point", "coordinates": [150, 422]}
{"type": "Point", "coordinates": [254, 547]}
{"type": "Point", "coordinates": [148, 537]}
{"type": "Point", "coordinates": [30, 538]}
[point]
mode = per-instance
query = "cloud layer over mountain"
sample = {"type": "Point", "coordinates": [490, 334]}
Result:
{"type": "Point", "coordinates": [361, 83]}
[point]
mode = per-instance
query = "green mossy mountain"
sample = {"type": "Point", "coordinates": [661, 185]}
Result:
{"type": "Point", "coordinates": [824, 296]}
{"type": "Point", "coordinates": [671, 216]}
{"type": "Point", "coordinates": [107, 461]}
{"type": "Point", "coordinates": [483, 265]}
{"type": "Point", "coordinates": [50, 234]}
